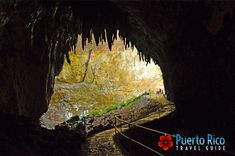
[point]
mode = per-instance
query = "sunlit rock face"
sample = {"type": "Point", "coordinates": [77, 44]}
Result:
{"type": "Point", "coordinates": [111, 78]}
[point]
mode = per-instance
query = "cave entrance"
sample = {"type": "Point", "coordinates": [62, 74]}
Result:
{"type": "Point", "coordinates": [98, 81]}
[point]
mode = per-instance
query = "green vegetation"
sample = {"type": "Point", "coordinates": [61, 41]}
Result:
{"type": "Point", "coordinates": [98, 81]}
{"type": "Point", "coordinates": [112, 107]}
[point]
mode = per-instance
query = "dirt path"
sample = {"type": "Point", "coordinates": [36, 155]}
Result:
{"type": "Point", "coordinates": [102, 143]}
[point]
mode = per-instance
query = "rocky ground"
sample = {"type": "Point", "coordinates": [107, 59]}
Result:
{"type": "Point", "coordinates": [101, 144]}
{"type": "Point", "coordinates": [140, 108]}
{"type": "Point", "coordinates": [99, 130]}
{"type": "Point", "coordinates": [82, 99]}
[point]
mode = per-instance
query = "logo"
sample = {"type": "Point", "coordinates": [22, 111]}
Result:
{"type": "Point", "coordinates": [198, 143]}
{"type": "Point", "coordinates": [206, 142]}
{"type": "Point", "coordinates": [165, 142]}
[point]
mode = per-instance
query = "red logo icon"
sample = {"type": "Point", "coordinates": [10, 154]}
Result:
{"type": "Point", "coordinates": [165, 142]}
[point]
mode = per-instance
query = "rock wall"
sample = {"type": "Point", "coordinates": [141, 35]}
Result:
{"type": "Point", "coordinates": [26, 71]}
{"type": "Point", "coordinates": [193, 42]}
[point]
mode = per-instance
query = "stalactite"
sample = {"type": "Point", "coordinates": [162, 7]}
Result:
{"type": "Point", "coordinates": [67, 57]}
{"type": "Point", "coordinates": [139, 53]}
{"type": "Point", "coordinates": [109, 35]}
{"type": "Point", "coordinates": [83, 41]}
{"type": "Point", "coordinates": [103, 37]}
{"type": "Point", "coordinates": [97, 37]}
{"type": "Point", "coordinates": [68, 21]}
{"type": "Point", "coordinates": [132, 46]}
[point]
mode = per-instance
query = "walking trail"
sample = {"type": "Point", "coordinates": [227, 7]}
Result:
{"type": "Point", "coordinates": [103, 144]}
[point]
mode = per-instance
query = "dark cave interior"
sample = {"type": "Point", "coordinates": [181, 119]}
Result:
{"type": "Point", "coordinates": [193, 43]}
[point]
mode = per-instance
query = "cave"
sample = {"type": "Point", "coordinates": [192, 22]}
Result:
{"type": "Point", "coordinates": [98, 81]}
{"type": "Point", "coordinates": [192, 41]}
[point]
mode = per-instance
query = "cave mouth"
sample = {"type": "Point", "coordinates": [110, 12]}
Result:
{"type": "Point", "coordinates": [98, 81]}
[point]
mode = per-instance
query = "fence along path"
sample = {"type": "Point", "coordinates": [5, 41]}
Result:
{"type": "Point", "coordinates": [102, 143]}
{"type": "Point", "coordinates": [119, 127]}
